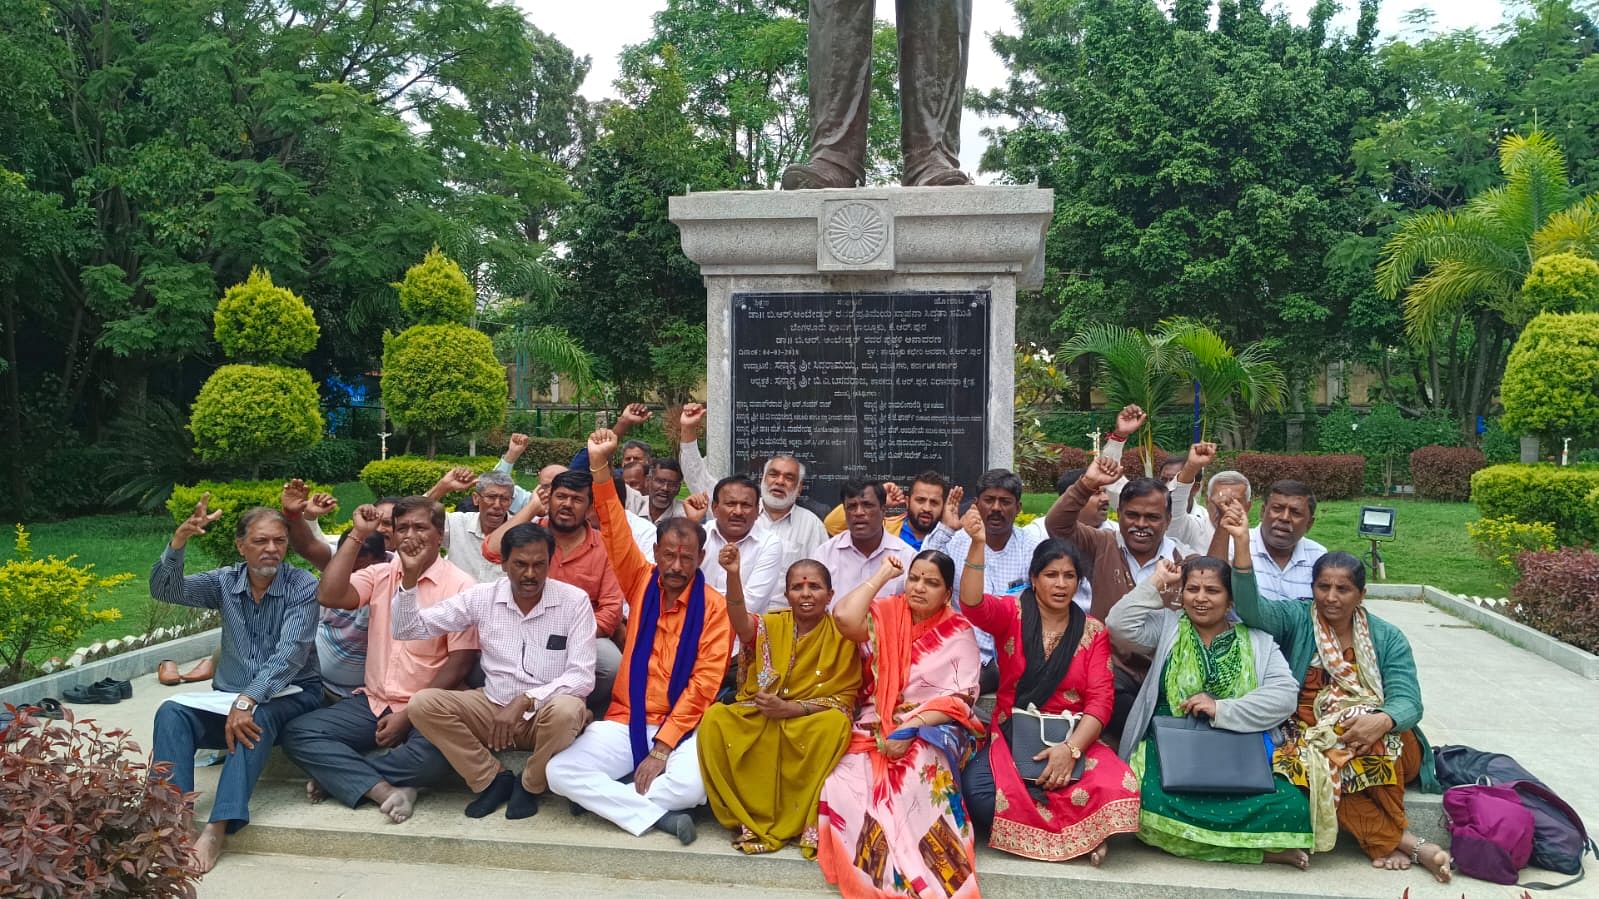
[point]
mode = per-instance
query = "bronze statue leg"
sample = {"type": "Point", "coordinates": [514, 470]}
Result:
{"type": "Point", "coordinates": [840, 58]}
{"type": "Point", "coordinates": [934, 37]}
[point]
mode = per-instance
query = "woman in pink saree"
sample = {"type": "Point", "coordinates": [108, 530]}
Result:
{"type": "Point", "coordinates": [891, 818]}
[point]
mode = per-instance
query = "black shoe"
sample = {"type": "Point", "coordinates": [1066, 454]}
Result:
{"type": "Point", "coordinates": [678, 824]}
{"type": "Point", "coordinates": [522, 805]}
{"type": "Point", "coordinates": [92, 694]}
{"type": "Point", "coordinates": [577, 811]}
{"type": "Point", "coordinates": [493, 796]}
{"type": "Point", "coordinates": [124, 688]}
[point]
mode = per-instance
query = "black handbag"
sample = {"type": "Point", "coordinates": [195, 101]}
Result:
{"type": "Point", "coordinates": [1198, 758]}
{"type": "Point", "coordinates": [1031, 732]}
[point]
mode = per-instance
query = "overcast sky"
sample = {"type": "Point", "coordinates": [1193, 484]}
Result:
{"type": "Point", "coordinates": [601, 28]}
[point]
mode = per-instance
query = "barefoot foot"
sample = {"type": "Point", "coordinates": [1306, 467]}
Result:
{"type": "Point", "coordinates": [399, 805]}
{"type": "Point", "coordinates": [1097, 857]}
{"type": "Point", "coordinates": [208, 848]}
{"type": "Point", "coordinates": [1296, 858]}
{"type": "Point", "coordinates": [1436, 860]}
{"type": "Point", "coordinates": [314, 792]}
{"type": "Point", "coordinates": [1398, 861]}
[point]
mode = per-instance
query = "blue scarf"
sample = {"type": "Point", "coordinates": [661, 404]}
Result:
{"type": "Point", "coordinates": [638, 669]}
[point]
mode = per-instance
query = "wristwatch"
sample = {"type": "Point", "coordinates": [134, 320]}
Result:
{"type": "Point", "coordinates": [1076, 753]}
{"type": "Point", "coordinates": [244, 704]}
{"type": "Point", "coordinates": [658, 755]}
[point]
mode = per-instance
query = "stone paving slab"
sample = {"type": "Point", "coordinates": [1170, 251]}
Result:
{"type": "Point", "coordinates": [1478, 690]}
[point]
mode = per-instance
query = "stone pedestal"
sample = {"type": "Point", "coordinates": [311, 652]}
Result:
{"type": "Point", "coordinates": [815, 296]}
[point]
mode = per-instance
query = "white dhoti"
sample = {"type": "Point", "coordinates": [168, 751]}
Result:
{"type": "Point", "coordinates": [587, 773]}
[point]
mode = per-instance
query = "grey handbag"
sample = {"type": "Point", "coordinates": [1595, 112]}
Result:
{"type": "Point", "coordinates": [1032, 732]}
{"type": "Point", "coordinates": [1198, 758]}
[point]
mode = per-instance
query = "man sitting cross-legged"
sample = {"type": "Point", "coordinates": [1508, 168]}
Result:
{"type": "Point", "coordinates": [269, 614]}
{"type": "Point", "coordinates": [537, 638]}
{"type": "Point", "coordinates": [678, 642]}
{"type": "Point", "coordinates": [331, 743]}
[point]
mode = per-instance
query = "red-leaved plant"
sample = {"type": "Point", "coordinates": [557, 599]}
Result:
{"type": "Point", "coordinates": [81, 814]}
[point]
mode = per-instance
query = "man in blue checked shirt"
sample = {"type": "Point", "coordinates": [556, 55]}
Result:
{"type": "Point", "coordinates": [269, 618]}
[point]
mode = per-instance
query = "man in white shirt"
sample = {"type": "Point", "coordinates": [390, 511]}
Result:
{"type": "Point", "coordinates": [1284, 556]}
{"type": "Point", "coordinates": [854, 556]}
{"type": "Point", "coordinates": [493, 492]}
{"type": "Point", "coordinates": [1006, 556]}
{"type": "Point", "coordinates": [796, 528]}
{"type": "Point", "coordinates": [733, 511]}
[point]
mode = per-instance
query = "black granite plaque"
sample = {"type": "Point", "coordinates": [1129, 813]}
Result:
{"type": "Point", "coordinates": [884, 385]}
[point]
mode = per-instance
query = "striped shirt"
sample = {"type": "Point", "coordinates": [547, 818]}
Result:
{"type": "Point", "coordinates": [266, 645]}
{"type": "Point", "coordinates": [341, 649]}
{"type": "Point", "coordinates": [547, 651]}
{"type": "Point", "coordinates": [1292, 582]}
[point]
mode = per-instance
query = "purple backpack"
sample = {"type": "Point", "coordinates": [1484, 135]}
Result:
{"type": "Point", "coordinates": [1490, 832]}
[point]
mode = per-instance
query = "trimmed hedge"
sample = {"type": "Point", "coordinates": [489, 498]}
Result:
{"type": "Point", "coordinates": [233, 498]}
{"type": "Point", "coordinates": [542, 451]}
{"type": "Point", "coordinates": [1040, 474]}
{"type": "Point", "coordinates": [1560, 496]}
{"type": "Point", "coordinates": [1558, 593]}
{"type": "Point", "coordinates": [1337, 476]}
{"type": "Point", "coordinates": [413, 475]}
{"type": "Point", "coordinates": [1444, 472]}
{"type": "Point", "coordinates": [333, 460]}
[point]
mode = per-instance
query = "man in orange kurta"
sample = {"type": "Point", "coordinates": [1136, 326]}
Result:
{"type": "Point", "coordinates": [658, 698]}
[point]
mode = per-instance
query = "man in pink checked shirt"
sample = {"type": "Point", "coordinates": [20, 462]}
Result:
{"type": "Point", "coordinates": [536, 638]}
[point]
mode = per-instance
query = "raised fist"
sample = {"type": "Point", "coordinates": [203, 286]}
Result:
{"type": "Point", "coordinates": [728, 558]}
{"type": "Point", "coordinates": [1129, 420]}
{"type": "Point", "coordinates": [515, 449]}
{"type": "Point", "coordinates": [320, 505]}
{"type": "Point", "coordinates": [695, 506]}
{"type": "Point", "coordinates": [689, 422]}
{"type": "Point", "coordinates": [602, 443]}
{"type": "Point", "coordinates": [634, 414]}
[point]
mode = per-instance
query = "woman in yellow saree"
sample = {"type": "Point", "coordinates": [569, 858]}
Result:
{"type": "Point", "coordinates": [765, 756]}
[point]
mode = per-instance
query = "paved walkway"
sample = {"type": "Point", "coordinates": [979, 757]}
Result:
{"type": "Point", "coordinates": [1478, 690]}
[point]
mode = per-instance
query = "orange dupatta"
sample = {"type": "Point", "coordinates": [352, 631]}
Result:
{"type": "Point", "coordinates": [894, 632]}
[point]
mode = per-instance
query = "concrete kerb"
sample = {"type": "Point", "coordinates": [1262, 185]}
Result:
{"type": "Point", "coordinates": [123, 666]}
{"type": "Point", "coordinates": [1578, 661]}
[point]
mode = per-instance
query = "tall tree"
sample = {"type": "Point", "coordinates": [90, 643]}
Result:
{"type": "Point", "coordinates": [1198, 170]}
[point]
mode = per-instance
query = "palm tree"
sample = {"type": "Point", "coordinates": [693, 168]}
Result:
{"type": "Point", "coordinates": [1473, 262]}
{"type": "Point", "coordinates": [1134, 367]}
{"type": "Point", "coordinates": [1223, 377]}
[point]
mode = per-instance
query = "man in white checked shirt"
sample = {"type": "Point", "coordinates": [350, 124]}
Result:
{"type": "Point", "coordinates": [536, 639]}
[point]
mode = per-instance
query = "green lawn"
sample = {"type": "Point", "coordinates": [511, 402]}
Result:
{"type": "Point", "coordinates": [1432, 547]}
{"type": "Point", "coordinates": [114, 544]}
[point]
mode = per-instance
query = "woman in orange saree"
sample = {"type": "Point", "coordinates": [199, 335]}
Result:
{"type": "Point", "coordinates": [891, 821]}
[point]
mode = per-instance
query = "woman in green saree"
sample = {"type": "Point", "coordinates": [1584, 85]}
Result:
{"type": "Point", "coordinates": [1235, 676]}
{"type": "Point", "coordinates": [765, 756]}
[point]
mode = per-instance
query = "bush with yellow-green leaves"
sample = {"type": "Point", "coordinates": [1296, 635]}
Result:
{"type": "Point", "coordinates": [1502, 540]}
{"type": "Point", "coordinates": [47, 604]}
{"type": "Point", "coordinates": [436, 292]}
{"type": "Point", "coordinates": [260, 322]}
{"type": "Point", "coordinates": [1551, 385]}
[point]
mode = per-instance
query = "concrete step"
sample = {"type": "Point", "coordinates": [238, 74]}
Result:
{"type": "Point", "coordinates": [554, 841]}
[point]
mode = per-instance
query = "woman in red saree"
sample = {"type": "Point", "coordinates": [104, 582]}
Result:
{"type": "Point", "coordinates": [890, 816]}
{"type": "Point", "coordinates": [1054, 658]}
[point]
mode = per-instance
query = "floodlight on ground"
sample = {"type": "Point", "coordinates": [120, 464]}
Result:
{"type": "Point", "coordinates": [1377, 525]}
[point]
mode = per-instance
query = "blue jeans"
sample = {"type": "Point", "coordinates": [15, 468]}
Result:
{"type": "Point", "coordinates": [180, 730]}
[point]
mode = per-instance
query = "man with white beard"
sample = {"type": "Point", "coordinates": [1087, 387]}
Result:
{"type": "Point", "coordinates": [797, 527]}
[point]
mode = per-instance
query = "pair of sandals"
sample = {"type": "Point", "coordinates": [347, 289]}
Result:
{"type": "Point", "coordinates": [108, 691]}
{"type": "Point", "coordinates": [167, 672]}
{"type": "Point", "coordinates": [48, 708]}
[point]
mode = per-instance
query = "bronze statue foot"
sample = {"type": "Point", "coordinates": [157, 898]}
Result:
{"type": "Point", "coordinates": [816, 175]}
{"type": "Point", "coordinates": [940, 177]}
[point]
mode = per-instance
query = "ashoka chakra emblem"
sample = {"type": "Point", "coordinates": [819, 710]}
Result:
{"type": "Point", "coordinates": [856, 233]}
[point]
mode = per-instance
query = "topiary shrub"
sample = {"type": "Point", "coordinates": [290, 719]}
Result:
{"type": "Point", "coordinates": [47, 604]}
{"type": "Point", "coordinates": [443, 379]}
{"type": "Point", "coordinates": [1551, 384]}
{"type": "Point", "coordinates": [1562, 282]}
{"type": "Point", "coordinates": [250, 414]}
{"type": "Point", "coordinates": [414, 475]}
{"type": "Point", "coordinates": [436, 292]}
{"type": "Point", "coordinates": [1558, 593]}
{"type": "Point", "coordinates": [1549, 493]}
{"type": "Point", "coordinates": [259, 322]}
{"type": "Point", "coordinates": [1503, 540]}
{"type": "Point", "coordinates": [233, 498]}
{"type": "Point", "coordinates": [1328, 476]}
{"type": "Point", "coordinates": [1444, 472]}
{"type": "Point", "coordinates": [82, 814]}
